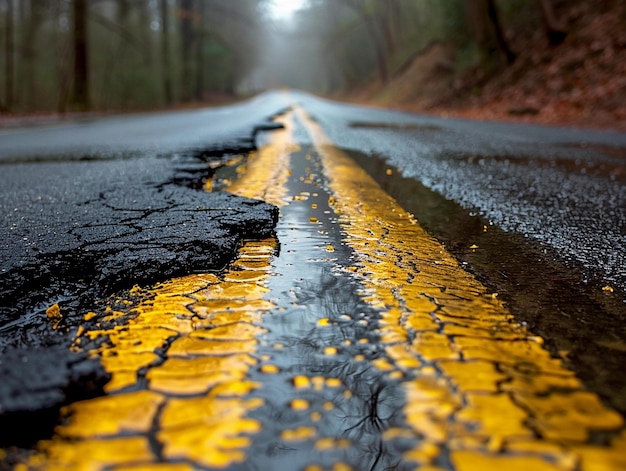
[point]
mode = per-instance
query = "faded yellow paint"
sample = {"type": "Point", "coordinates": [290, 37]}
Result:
{"type": "Point", "coordinates": [299, 404]}
{"type": "Point", "coordinates": [324, 444]}
{"type": "Point", "coordinates": [298, 434]}
{"type": "Point", "coordinates": [128, 413]}
{"type": "Point", "coordinates": [191, 343]}
{"type": "Point", "coordinates": [477, 381]}
{"type": "Point", "coordinates": [156, 467]}
{"type": "Point", "coordinates": [268, 170]}
{"type": "Point", "coordinates": [479, 387]}
{"type": "Point", "coordinates": [54, 315]}
{"type": "Point", "coordinates": [207, 328]}
{"type": "Point", "coordinates": [92, 454]}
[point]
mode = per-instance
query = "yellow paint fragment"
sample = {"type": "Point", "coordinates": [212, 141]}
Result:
{"type": "Point", "coordinates": [181, 412]}
{"type": "Point", "coordinates": [299, 434]}
{"type": "Point", "coordinates": [211, 445]}
{"type": "Point", "coordinates": [156, 467]}
{"type": "Point", "coordinates": [481, 376]}
{"type": "Point", "coordinates": [207, 357]}
{"type": "Point", "coordinates": [301, 382]}
{"type": "Point", "coordinates": [270, 369]}
{"type": "Point", "coordinates": [268, 170]}
{"type": "Point", "coordinates": [570, 416]}
{"type": "Point", "coordinates": [473, 461]}
{"type": "Point", "coordinates": [299, 404]}
{"type": "Point", "coordinates": [95, 454]}
{"type": "Point", "coordinates": [185, 346]}
{"type": "Point", "coordinates": [54, 315]}
{"type": "Point", "coordinates": [333, 382]}
{"type": "Point", "coordinates": [325, 444]}
{"type": "Point", "coordinates": [111, 415]}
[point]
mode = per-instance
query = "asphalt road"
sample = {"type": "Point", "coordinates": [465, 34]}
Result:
{"type": "Point", "coordinates": [107, 203]}
{"type": "Point", "coordinates": [91, 208]}
{"type": "Point", "coordinates": [562, 188]}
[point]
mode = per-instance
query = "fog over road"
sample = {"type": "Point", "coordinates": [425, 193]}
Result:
{"type": "Point", "coordinates": [91, 208]}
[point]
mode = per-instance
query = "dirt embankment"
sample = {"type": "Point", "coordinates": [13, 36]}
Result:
{"type": "Point", "coordinates": [580, 82]}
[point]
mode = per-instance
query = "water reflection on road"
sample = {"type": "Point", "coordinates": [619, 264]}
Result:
{"type": "Point", "coordinates": [326, 403]}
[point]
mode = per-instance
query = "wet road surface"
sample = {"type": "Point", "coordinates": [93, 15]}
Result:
{"type": "Point", "coordinates": [350, 340]}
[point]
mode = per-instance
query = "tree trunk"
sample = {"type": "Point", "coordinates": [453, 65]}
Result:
{"type": "Point", "coordinates": [389, 24]}
{"type": "Point", "coordinates": [556, 32]}
{"type": "Point", "coordinates": [200, 38]}
{"type": "Point", "coordinates": [165, 53]}
{"type": "Point", "coordinates": [9, 64]}
{"type": "Point", "coordinates": [186, 43]}
{"type": "Point", "coordinates": [29, 48]}
{"type": "Point", "coordinates": [497, 26]}
{"type": "Point", "coordinates": [64, 62]}
{"type": "Point", "coordinates": [484, 23]}
{"type": "Point", "coordinates": [372, 30]}
{"type": "Point", "coordinates": [80, 98]}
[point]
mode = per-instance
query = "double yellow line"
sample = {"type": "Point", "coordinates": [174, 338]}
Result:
{"type": "Point", "coordinates": [481, 390]}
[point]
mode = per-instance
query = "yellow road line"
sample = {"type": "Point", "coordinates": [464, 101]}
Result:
{"type": "Point", "coordinates": [193, 401]}
{"type": "Point", "coordinates": [267, 171]}
{"type": "Point", "coordinates": [481, 391]}
{"type": "Point", "coordinates": [180, 364]}
{"type": "Point", "coordinates": [479, 386]}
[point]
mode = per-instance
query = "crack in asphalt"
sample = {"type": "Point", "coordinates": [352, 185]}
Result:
{"type": "Point", "coordinates": [94, 228]}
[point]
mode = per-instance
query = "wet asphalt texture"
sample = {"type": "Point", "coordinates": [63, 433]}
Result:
{"type": "Point", "coordinates": [308, 227]}
{"type": "Point", "coordinates": [91, 208]}
{"type": "Point", "coordinates": [545, 208]}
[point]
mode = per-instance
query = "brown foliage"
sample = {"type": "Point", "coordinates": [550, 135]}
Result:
{"type": "Point", "coordinates": [582, 81]}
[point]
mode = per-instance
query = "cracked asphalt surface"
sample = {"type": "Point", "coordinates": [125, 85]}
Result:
{"type": "Point", "coordinates": [127, 215]}
{"type": "Point", "coordinates": [92, 208]}
{"type": "Point", "coordinates": [87, 218]}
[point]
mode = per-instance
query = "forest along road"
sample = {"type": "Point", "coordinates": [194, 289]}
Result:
{"type": "Point", "coordinates": [430, 292]}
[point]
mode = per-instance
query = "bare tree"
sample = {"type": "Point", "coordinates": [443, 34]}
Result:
{"type": "Point", "coordinates": [361, 8]}
{"type": "Point", "coordinates": [484, 22]}
{"type": "Point", "coordinates": [9, 58]}
{"type": "Point", "coordinates": [554, 30]}
{"type": "Point", "coordinates": [186, 14]}
{"type": "Point", "coordinates": [80, 98]}
{"type": "Point", "coordinates": [166, 60]}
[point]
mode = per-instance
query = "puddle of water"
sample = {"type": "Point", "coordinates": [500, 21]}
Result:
{"type": "Point", "coordinates": [582, 324]}
{"type": "Point", "coordinates": [322, 397]}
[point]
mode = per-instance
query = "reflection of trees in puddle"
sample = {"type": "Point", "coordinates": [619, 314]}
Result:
{"type": "Point", "coordinates": [368, 403]}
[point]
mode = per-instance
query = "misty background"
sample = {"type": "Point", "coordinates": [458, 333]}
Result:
{"type": "Point", "coordinates": [78, 55]}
